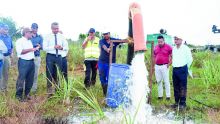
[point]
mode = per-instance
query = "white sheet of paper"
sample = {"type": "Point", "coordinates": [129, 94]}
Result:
{"type": "Point", "coordinates": [3, 48]}
{"type": "Point", "coordinates": [190, 73]}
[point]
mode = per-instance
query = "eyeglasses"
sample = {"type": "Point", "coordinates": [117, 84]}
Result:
{"type": "Point", "coordinates": [29, 32]}
{"type": "Point", "coordinates": [176, 39]}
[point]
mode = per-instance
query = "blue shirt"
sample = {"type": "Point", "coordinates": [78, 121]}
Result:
{"type": "Point", "coordinates": [35, 41]}
{"type": "Point", "coordinates": [8, 43]}
{"type": "Point", "coordinates": [104, 56]}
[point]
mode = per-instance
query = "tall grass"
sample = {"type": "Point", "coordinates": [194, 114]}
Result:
{"type": "Point", "coordinates": [211, 73]}
{"type": "Point", "coordinates": [210, 70]}
{"type": "Point", "coordinates": [76, 54]}
{"type": "Point", "coordinates": [64, 91]}
{"type": "Point", "coordinates": [121, 54]}
{"type": "Point", "coordinates": [3, 106]}
{"type": "Point", "coordinates": [90, 99]}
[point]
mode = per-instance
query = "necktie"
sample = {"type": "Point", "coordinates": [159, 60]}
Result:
{"type": "Point", "coordinates": [56, 44]}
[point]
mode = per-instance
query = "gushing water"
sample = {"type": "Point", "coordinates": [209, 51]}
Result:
{"type": "Point", "coordinates": [135, 110]}
{"type": "Point", "coordinates": [138, 90]}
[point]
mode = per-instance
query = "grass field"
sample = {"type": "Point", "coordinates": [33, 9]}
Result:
{"type": "Point", "coordinates": [203, 103]}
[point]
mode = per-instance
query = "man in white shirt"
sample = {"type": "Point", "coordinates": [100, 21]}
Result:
{"type": "Point", "coordinates": [181, 61]}
{"type": "Point", "coordinates": [54, 44]}
{"type": "Point", "coordinates": [25, 53]}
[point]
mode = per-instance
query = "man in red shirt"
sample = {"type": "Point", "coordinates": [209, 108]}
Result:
{"type": "Point", "coordinates": [162, 58]}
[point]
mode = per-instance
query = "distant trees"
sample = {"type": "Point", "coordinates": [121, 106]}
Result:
{"type": "Point", "coordinates": [97, 34]}
{"type": "Point", "coordinates": [83, 36]}
{"type": "Point", "coordinates": [13, 31]}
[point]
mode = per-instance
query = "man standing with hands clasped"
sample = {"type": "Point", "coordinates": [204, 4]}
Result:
{"type": "Point", "coordinates": [54, 44]}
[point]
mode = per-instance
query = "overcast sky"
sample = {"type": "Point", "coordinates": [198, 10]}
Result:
{"type": "Point", "coordinates": [191, 19]}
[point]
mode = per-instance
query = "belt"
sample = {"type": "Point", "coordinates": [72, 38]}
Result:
{"type": "Point", "coordinates": [162, 64]}
{"type": "Point", "coordinates": [180, 67]}
{"type": "Point", "coordinates": [52, 54]}
{"type": "Point", "coordinates": [7, 54]}
{"type": "Point", "coordinates": [26, 60]}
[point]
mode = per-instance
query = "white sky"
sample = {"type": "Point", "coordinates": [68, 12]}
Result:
{"type": "Point", "coordinates": [191, 19]}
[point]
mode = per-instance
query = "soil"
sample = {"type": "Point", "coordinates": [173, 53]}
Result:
{"type": "Point", "coordinates": [29, 112]}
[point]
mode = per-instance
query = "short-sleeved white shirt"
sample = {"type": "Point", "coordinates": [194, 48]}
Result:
{"type": "Point", "coordinates": [22, 44]}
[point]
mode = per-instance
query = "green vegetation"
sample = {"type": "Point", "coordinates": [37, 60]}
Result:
{"type": "Point", "coordinates": [13, 31]}
{"type": "Point", "coordinates": [202, 100]}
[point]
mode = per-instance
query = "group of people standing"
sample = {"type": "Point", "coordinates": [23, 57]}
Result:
{"type": "Point", "coordinates": [28, 49]}
{"type": "Point", "coordinates": [96, 53]}
{"type": "Point", "coordinates": [28, 52]}
{"type": "Point", "coordinates": [180, 58]}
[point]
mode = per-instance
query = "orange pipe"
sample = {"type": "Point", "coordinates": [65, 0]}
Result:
{"type": "Point", "coordinates": [137, 26]}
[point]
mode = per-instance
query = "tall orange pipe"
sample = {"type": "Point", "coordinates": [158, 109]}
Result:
{"type": "Point", "coordinates": [137, 26]}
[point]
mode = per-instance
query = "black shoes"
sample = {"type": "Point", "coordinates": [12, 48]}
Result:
{"type": "Point", "coordinates": [174, 106]}
{"type": "Point", "coordinates": [49, 95]}
{"type": "Point", "coordinates": [28, 97]}
{"type": "Point", "coordinates": [92, 83]}
{"type": "Point", "coordinates": [182, 107]}
{"type": "Point", "coordinates": [160, 98]}
{"type": "Point", "coordinates": [19, 99]}
{"type": "Point", "coordinates": [25, 99]}
{"type": "Point", "coordinates": [168, 98]}
{"type": "Point", "coordinates": [104, 88]}
{"type": "Point", "coordinates": [178, 107]}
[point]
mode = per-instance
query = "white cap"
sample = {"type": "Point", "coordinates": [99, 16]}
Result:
{"type": "Point", "coordinates": [105, 31]}
{"type": "Point", "coordinates": [178, 36]}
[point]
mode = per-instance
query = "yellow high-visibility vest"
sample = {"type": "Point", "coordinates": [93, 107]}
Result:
{"type": "Point", "coordinates": [92, 49]}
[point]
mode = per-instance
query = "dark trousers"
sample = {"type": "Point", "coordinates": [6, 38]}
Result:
{"type": "Point", "coordinates": [91, 66]}
{"type": "Point", "coordinates": [180, 84]}
{"type": "Point", "coordinates": [52, 64]}
{"type": "Point", "coordinates": [26, 70]}
{"type": "Point", "coordinates": [64, 68]}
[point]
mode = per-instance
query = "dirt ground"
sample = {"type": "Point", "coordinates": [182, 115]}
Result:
{"type": "Point", "coordinates": [29, 112]}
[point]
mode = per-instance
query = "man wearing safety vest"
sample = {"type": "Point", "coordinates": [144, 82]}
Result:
{"type": "Point", "coordinates": [91, 54]}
